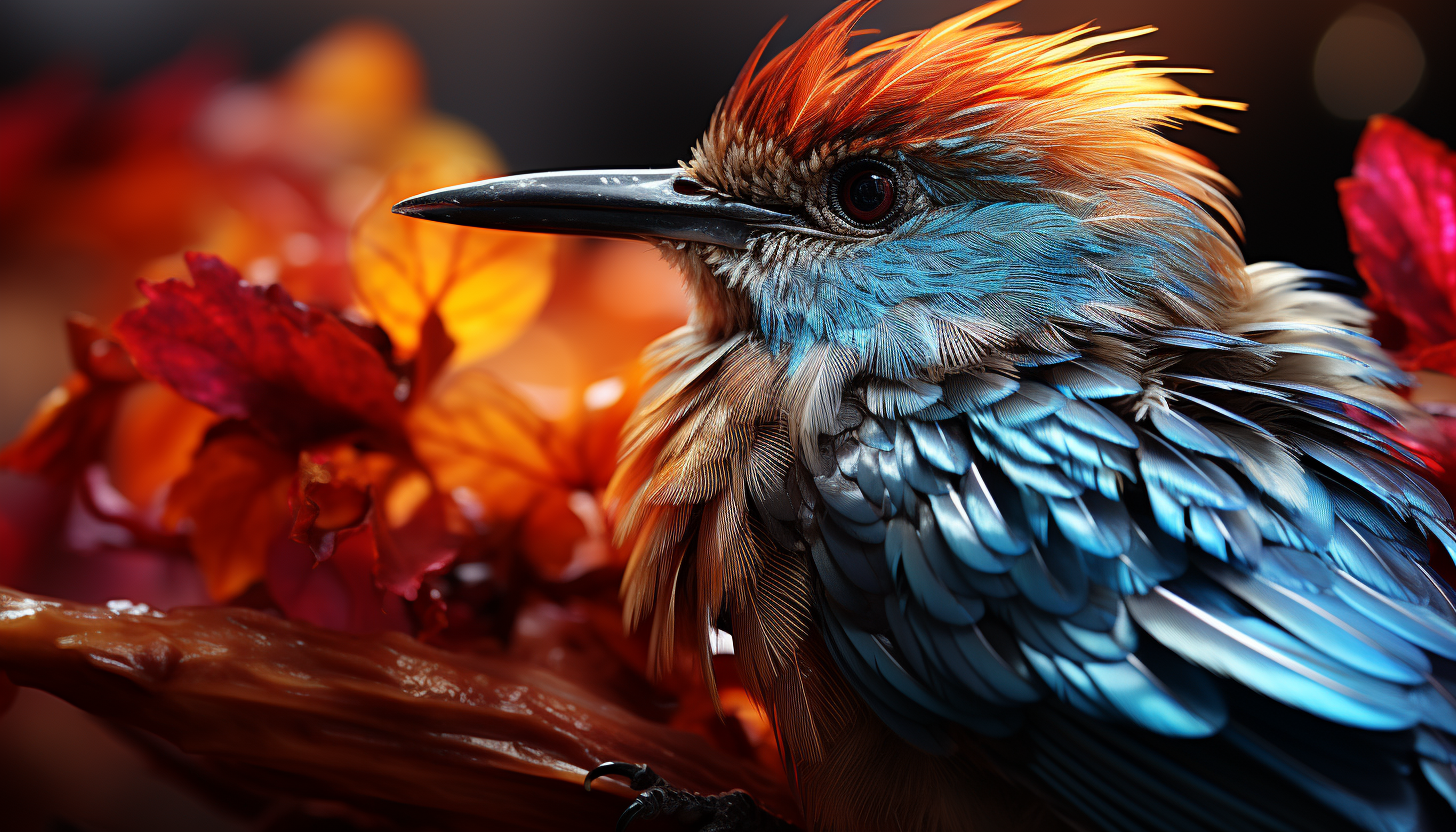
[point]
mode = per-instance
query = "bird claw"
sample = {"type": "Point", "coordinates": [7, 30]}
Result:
{"type": "Point", "coordinates": [638, 777]}
{"type": "Point", "coordinates": [733, 811]}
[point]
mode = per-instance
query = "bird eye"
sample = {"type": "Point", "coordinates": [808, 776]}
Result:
{"type": "Point", "coordinates": [865, 191]}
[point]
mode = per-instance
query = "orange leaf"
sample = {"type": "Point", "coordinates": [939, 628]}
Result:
{"type": "Point", "coordinates": [485, 285]}
{"type": "Point", "coordinates": [351, 87]}
{"type": "Point", "coordinates": [236, 497]}
{"type": "Point", "coordinates": [154, 437]}
{"type": "Point", "coordinates": [532, 479]}
{"type": "Point", "coordinates": [71, 424]}
{"type": "Point", "coordinates": [473, 433]}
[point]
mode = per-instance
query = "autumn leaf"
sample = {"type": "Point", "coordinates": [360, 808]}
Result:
{"type": "Point", "coordinates": [412, 529]}
{"type": "Point", "coordinates": [325, 510]}
{"type": "Point", "coordinates": [414, 533]}
{"type": "Point", "coordinates": [475, 433]}
{"type": "Point", "coordinates": [533, 480]}
{"type": "Point", "coordinates": [235, 500]}
{"type": "Point", "coordinates": [485, 285]}
{"type": "Point", "coordinates": [339, 593]}
{"type": "Point", "coordinates": [154, 436]}
{"type": "Point", "coordinates": [247, 352]}
{"type": "Point", "coordinates": [1400, 208]}
{"type": "Point", "coordinates": [72, 423]}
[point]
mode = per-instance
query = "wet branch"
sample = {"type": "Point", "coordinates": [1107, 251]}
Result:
{"type": "Point", "coordinates": [383, 719]}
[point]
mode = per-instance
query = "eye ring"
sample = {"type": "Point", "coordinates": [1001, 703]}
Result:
{"type": "Point", "coordinates": [864, 192]}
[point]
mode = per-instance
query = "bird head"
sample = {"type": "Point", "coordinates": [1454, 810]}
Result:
{"type": "Point", "coordinates": [922, 203]}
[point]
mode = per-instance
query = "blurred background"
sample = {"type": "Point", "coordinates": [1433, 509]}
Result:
{"type": "Point", "coordinates": [577, 83]}
{"type": "Point", "coordinates": [260, 129]}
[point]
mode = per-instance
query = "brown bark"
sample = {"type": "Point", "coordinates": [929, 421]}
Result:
{"type": "Point", "coordinates": [383, 720]}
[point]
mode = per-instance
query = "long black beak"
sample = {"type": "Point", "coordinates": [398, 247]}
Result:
{"type": "Point", "coordinates": [655, 204]}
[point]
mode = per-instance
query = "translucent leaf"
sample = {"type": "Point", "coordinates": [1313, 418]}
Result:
{"type": "Point", "coordinates": [531, 481]}
{"type": "Point", "coordinates": [485, 285]}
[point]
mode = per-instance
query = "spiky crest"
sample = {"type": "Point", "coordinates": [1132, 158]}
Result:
{"type": "Point", "coordinates": [1031, 111]}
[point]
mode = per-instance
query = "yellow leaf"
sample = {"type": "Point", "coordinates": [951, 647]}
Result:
{"type": "Point", "coordinates": [485, 285]}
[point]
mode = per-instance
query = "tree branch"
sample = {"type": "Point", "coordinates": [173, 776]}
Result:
{"type": "Point", "coordinates": [380, 718]}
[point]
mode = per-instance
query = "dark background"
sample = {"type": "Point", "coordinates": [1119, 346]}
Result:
{"type": "Point", "coordinates": [579, 83]}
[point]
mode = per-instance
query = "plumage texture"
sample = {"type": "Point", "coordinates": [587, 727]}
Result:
{"type": "Point", "coordinates": [1038, 478]}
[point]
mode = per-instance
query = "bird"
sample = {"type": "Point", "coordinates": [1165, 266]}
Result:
{"type": "Point", "coordinates": [1027, 502]}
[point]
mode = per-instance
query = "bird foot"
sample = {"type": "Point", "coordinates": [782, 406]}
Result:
{"type": "Point", "coordinates": [733, 811]}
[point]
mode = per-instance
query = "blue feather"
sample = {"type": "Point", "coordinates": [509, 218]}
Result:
{"type": "Point", "coordinates": [1330, 626]}
{"type": "Point", "coordinates": [1028, 403]}
{"type": "Point", "coordinates": [976, 391]}
{"type": "Point", "coordinates": [1195, 480]}
{"type": "Point", "coordinates": [944, 444]}
{"type": "Point", "coordinates": [1183, 431]}
{"type": "Point", "coordinates": [960, 536]}
{"type": "Point", "coordinates": [1151, 702]}
{"type": "Point", "coordinates": [1090, 380]}
{"type": "Point", "coordinates": [1093, 418]}
{"type": "Point", "coordinates": [1095, 524]}
{"type": "Point", "coordinates": [1052, 577]}
{"type": "Point", "coordinates": [918, 474]}
{"type": "Point", "coordinates": [1268, 660]}
{"type": "Point", "coordinates": [902, 546]}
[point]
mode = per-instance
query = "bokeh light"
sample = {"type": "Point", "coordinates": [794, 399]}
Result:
{"type": "Point", "coordinates": [1369, 61]}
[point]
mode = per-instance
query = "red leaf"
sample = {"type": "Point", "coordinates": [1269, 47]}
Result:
{"type": "Point", "coordinates": [436, 347]}
{"type": "Point", "coordinates": [340, 592]}
{"type": "Point", "coordinates": [411, 527]}
{"type": "Point", "coordinates": [1400, 207]}
{"type": "Point", "coordinates": [421, 545]}
{"type": "Point", "coordinates": [247, 352]}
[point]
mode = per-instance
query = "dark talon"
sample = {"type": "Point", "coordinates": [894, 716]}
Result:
{"type": "Point", "coordinates": [633, 809]}
{"type": "Point", "coordinates": [638, 777]}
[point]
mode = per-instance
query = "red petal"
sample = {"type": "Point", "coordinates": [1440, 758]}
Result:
{"type": "Point", "coordinates": [1400, 207]}
{"type": "Point", "coordinates": [252, 353]}
{"type": "Point", "coordinates": [324, 510]}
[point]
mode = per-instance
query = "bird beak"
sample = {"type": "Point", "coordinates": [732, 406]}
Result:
{"type": "Point", "coordinates": [652, 204]}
